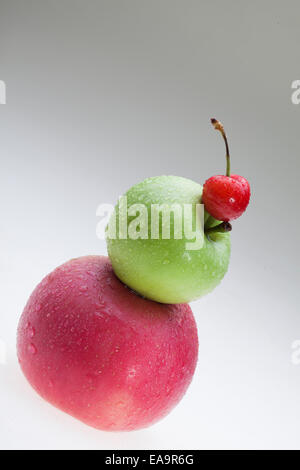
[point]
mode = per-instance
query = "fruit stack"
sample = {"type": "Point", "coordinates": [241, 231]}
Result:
{"type": "Point", "coordinates": [112, 340]}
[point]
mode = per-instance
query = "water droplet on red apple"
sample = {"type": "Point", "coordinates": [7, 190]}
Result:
{"type": "Point", "coordinates": [32, 349]}
{"type": "Point", "coordinates": [31, 331]}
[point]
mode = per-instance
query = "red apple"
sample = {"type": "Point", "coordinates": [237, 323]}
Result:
{"type": "Point", "coordinates": [98, 351]}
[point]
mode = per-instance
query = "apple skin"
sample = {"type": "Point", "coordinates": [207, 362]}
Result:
{"type": "Point", "coordinates": [163, 269]}
{"type": "Point", "coordinates": [98, 351]}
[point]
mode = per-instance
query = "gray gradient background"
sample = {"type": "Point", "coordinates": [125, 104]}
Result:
{"type": "Point", "coordinates": [100, 95]}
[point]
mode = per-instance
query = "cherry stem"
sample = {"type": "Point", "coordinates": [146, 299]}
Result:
{"type": "Point", "coordinates": [221, 228]}
{"type": "Point", "coordinates": [219, 127]}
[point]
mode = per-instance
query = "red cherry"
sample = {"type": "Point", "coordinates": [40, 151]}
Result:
{"type": "Point", "coordinates": [225, 197]}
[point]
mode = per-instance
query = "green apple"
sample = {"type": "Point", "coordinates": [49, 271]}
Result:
{"type": "Point", "coordinates": [176, 261]}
